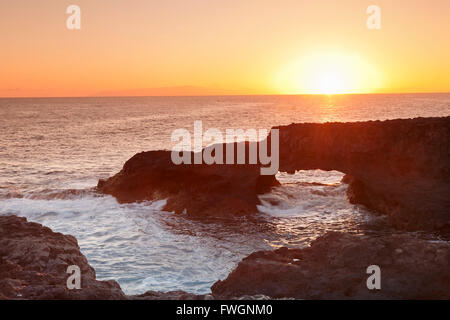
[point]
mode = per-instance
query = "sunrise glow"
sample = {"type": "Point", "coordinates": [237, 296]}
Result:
{"type": "Point", "coordinates": [329, 73]}
{"type": "Point", "coordinates": [223, 48]}
{"type": "Point", "coordinates": [329, 83]}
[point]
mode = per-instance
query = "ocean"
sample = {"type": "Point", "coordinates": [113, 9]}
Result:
{"type": "Point", "coordinates": [54, 151]}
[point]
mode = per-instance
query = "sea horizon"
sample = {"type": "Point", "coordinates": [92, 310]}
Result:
{"type": "Point", "coordinates": [227, 95]}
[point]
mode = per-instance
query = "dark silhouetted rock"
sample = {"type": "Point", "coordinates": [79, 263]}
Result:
{"type": "Point", "coordinates": [400, 168]}
{"type": "Point", "coordinates": [334, 267]}
{"type": "Point", "coordinates": [199, 189]}
{"type": "Point", "coordinates": [171, 295]}
{"type": "Point", "coordinates": [34, 262]}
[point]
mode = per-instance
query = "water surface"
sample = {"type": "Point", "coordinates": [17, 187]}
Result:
{"type": "Point", "coordinates": [53, 151]}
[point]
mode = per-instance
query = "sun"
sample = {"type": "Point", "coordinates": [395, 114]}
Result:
{"type": "Point", "coordinates": [328, 73]}
{"type": "Point", "coordinates": [331, 74]}
{"type": "Point", "coordinates": [329, 82]}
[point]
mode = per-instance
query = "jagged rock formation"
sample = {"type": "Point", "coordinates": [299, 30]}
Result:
{"type": "Point", "coordinates": [171, 295]}
{"type": "Point", "coordinates": [199, 189]}
{"type": "Point", "coordinates": [34, 262]}
{"type": "Point", "coordinates": [397, 167]}
{"type": "Point", "coordinates": [334, 267]}
{"type": "Point", "coordinates": [400, 168]}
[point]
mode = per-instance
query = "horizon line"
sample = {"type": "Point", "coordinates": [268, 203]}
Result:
{"type": "Point", "coordinates": [225, 95]}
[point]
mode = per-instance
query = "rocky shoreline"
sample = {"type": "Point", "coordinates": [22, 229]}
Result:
{"type": "Point", "coordinates": [398, 168]}
{"type": "Point", "coordinates": [198, 190]}
{"type": "Point", "coordinates": [34, 261]}
{"type": "Point", "coordinates": [334, 267]}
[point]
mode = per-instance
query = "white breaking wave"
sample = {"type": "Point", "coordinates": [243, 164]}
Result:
{"type": "Point", "coordinates": [135, 244]}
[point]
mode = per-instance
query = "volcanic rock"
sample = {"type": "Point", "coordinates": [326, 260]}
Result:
{"type": "Point", "coordinates": [199, 190]}
{"type": "Point", "coordinates": [34, 262]}
{"type": "Point", "coordinates": [400, 168]}
{"type": "Point", "coordinates": [335, 267]}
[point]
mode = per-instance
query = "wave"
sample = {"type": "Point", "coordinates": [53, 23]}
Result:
{"type": "Point", "coordinates": [136, 244]}
{"type": "Point", "coordinates": [147, 248]}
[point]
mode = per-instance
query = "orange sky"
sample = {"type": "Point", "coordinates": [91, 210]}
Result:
{"type": "Point", "coordinates": [144, 47]}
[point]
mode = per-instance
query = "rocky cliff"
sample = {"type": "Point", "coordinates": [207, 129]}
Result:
{"type": "Point", "coordinates": [34, 261]}
{"type": "Point", "coordinates": [335, 267]}
{"type": "Point", "coordinates": [400, 168]}
{"type": "Point", "coordinates": [199, 190]}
